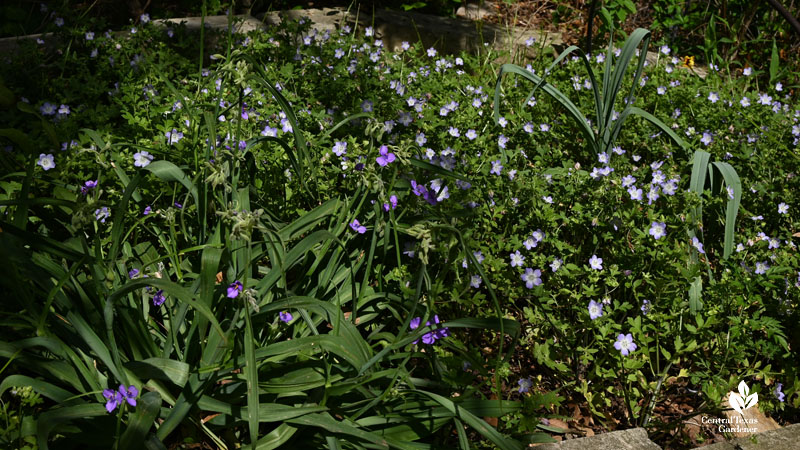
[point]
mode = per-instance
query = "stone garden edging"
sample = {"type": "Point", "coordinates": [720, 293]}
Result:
{"type": "Point", "coordinates": [785, 438]}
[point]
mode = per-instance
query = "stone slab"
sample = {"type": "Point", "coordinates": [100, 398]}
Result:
{"type": "Point", "coordinates": [783, 438]}
{"type": "Point", "coordinates": [633, 439]}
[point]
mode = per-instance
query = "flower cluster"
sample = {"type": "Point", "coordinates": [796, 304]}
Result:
{"type": "Point", "coordinates": [123, 394]}
{"type": "Point", "coordinates": [431, 336]}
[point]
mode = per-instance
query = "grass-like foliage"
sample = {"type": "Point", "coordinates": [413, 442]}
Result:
{"type": "Point", "coordinates": [600, 135]}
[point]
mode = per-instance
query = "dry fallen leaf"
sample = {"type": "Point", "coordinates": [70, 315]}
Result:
{"type": "Point", "coordinates": [558, 423]}
{"type": "Point", "coordinates": [219, 277]}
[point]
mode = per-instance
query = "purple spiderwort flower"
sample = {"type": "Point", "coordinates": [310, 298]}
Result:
{"type": "Point", "coordinates": [133, 273]}
{"type": "Point", "coordinates": [392, 203]}
{"type": "Point", "coordinates": [357, 227]}
{"type": "Point", "coordinates": [115, 398]}
{"type": "Point", "coordinates": [159, 298]}
{"type": "Point", "coordinates": [90, 184]}
{"type": "Point", "coordinates": [234, 289]}
{"type": "Point", "coordinates": [147, 210]}
{"type": "Point", "coordinates": [430, 337]}
{"type": "Point", "coordinates": [130, 393]}
{"type": "Point", "coordinates": [385, 157]}
{"type": "Point", "coordinates": [285, 316]}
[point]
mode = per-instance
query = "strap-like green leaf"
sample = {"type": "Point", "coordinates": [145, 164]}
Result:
{"type": "Point", "coordinates": [48, 420]}
{"type": "Point", "coordinates": [732, 209]}
{"type": "Point", "coordinates": [176, 372]}
{"type": "Point", "coordinates": [141, 420]}
{"type": "Point", "coordinates": [168, 171]}
{"type": "Point", "coordinates": [578, 118]}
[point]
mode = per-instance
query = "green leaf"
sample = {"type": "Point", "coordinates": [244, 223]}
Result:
{"type": "Point", "coordinates": [6, 96]}
{"type": "Point", "coordinates": [145, 413]}
{"type": "Point", "coordinates": [774, 63]}
{"type": "Point", "coordinates": [574, 113]}
{"type": "Point", "coordinates": [695, 296]}
{"type": "Point", "coordinates": [43, 388]}
{"type": "Point", "coordinates": [486, 430]}
{"type": "Point", "coordinates": [276, 437]}
{"type": "Point", "coordinates": [20, 139]}
{"type": "Point", "coordinates": [98, 346]}
{"type": "Point", "coordinates": [49, 420]}
{"type": "Point", "coordinates": [732, 209]}
{"type": "Point", "coordinates": [330, 425]}
{"type": "Point", "coordinates": [168, 171]}
{"type": "Point", "coordinates": [251, 375]}
{"type": "Point", "coordinates": [176, 372]}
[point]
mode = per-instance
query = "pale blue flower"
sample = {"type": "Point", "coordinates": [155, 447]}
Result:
{"type": "Point", "coordinates": [595, 309]}
{"type": "Point", "coordinates": [779, 392]}
{"type": "Point", "coordinates": [658, 230]}
{"type": "Point", "coordinates": [625, 344]}
{"type": "Point", "coordinates": [46, 161]}
{"type": "Point", "coordinates": [517, 259]}
{"type": "Point", "coordinates": [102, 214]}
{"type": "Point", "coordinates": [635, 193]}
{"type": "Point", "coordinates": [475, 281]}
{"type": "Point", "coordinates": [496, 167]}
{"type": "Point", "coordinates": [596, 263]}
{"type": "Point", "coordinates": [698, 245]}
{"type": "Point", "coordinates": [142, 158]}
{"type": "Point", "coordinates": [532, 277]}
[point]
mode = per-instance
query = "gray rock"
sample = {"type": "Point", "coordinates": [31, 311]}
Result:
{"type": "Point", "coordinates": [473, 12]}
{"type": "Point", "coordinates": [720, 446]}
{"type": "Point", "coordinates": [241, 24]}
{"type": "Point", "coordinates": [633, 439]}
{"type": "Point", "coordinates": [783, 438]}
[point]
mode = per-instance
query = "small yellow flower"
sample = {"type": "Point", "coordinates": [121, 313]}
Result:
{"type": "Point", "coordinates": [688, 62]}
